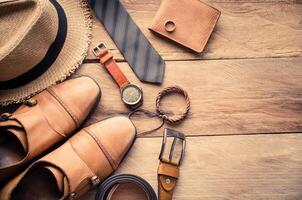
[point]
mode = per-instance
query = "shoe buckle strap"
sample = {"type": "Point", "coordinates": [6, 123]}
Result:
{"type": "Point", "coordinates": [30, 102]}
{"type": "Point", "coordinates": [94, 181]}
{"type": "Point", "coordinates": [5, 117]}
{"type": "Point", "coordinates": [27, 102]}
{"type": "Point", "coordinates": [71, 196]}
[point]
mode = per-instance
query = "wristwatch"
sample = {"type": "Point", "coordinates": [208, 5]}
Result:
{"type": "Point", "coordinates": [131, 94]}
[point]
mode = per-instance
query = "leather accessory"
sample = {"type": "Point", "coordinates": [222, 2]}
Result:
{"type": "Point", "coordinates": [77, 166]}
{"type": "Point", "coordinates": [146, 63]}
{"type": "Point", "coordinates": [131, 95]}
{"type": "Point", "coordinates": [44, 120]}
{"type": "Point", "coordinates": [42, 43]}
{"type": "Point", "coordinates": [168, 169]}
{"type": "Point", "coordinates": [161, 114]}
{"type": "Point", "coordinates": [189, 23]}
{"type": "Point", "coordinates": [110, 185]}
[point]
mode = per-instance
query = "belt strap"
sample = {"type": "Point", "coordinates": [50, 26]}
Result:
{"type": "Point", "coordinates": [167, 178]}
{"type": "Point", "coordinates": [168, 169]}
{"type": "Point", "coordinates": [108, 187]}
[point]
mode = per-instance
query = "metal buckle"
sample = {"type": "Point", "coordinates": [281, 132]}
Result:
{"type": "Point", "coordinates": [177, 136]}
{"type": "Point", "coordinates": [98, 49]}
{"type": "Point", "coordinates": [71, 196]}
{"type": "Point", "coordinates": [5, 116]}
{"type": "Point", "coordinates": [30, 102]}
{"type": "Point", "coordinates": [95, 181]}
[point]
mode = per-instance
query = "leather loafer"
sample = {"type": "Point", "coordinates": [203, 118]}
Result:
{"type": "Point", "coordinates": [81, 163]}
{"type": "Point", "coordinates": [43, 121]}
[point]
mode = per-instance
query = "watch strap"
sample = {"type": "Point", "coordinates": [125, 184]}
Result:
{"type": "Point", "coordinates": [167, 177]}
{"type": "Point", "coordinates": [106, 59]}
{"type": "Point", "coordinates": [141, 56]}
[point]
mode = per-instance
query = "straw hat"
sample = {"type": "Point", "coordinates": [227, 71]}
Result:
{"type": "Point", "coordinates": [42, 42]}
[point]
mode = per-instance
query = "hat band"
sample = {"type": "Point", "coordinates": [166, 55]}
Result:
{"type": "Point", "coordinates": [49, 58]}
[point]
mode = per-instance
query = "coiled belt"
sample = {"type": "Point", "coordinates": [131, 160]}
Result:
{"type": "Point", "coordinates": [107, 188]}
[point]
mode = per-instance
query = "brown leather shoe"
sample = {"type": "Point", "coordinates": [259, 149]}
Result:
{"type": "Point", "coordinates": [78, 165]}
{"type": "Point", "coordinates": [44, 120]}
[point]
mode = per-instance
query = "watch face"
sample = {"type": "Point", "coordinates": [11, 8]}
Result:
{"type": "Point", "coordinates": [131, 94]}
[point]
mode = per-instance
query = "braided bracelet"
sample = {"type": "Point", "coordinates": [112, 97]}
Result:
{"type": "Point", "coordinates": [165, 92]}
{"type": "Point", "coordinates": [160, 113]}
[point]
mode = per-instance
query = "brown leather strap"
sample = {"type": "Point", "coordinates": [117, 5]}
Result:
{"type": "Point", "coordinates": [106, 59]}
{"type": "Point", "coordinates": [168, 169]}
{"type": "Point", "coordinates": [110, 185]}
{"type": "Point", "coordinates": [167, 178]}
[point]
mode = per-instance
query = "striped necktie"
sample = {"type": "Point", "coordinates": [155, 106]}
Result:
{"type": "Point", "coordinates": [135, 47]}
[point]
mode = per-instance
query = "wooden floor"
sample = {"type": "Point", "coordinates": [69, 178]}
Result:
{"type": "Point", "coordinates": [244, 128]}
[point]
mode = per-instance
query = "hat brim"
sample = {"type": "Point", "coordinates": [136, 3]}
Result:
{"type": "Point", "coordinates": [79, 25]}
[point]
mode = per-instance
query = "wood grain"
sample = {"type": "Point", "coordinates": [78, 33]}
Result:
{"type": "Point", "coordinates": [226, 167]}
{"type": "Point", "coordinates": [227, 96]}
{"type": "Point", "coordinates": [249, 29]}
{"type": "Point", "coordinates": [245, 90]}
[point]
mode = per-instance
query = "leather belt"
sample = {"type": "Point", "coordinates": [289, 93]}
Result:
{"type": "Point", "coordinates": [109, 186]}
{"type": "Point", "coordinates": [168, 169]}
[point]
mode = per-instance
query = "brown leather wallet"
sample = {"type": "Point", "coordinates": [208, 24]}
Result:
{"type": "Point", "coordinates": [187, 22]}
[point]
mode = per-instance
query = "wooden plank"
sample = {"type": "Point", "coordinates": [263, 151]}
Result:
{"type": "Point", "coordinates": [245, 30]}
{"type": "Point", "coordinates": [226, 167]}
{"type": "Point", "coordinates": [228, 96]}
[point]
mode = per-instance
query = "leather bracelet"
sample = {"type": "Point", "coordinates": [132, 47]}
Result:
{"type": "Point", "coordinates": [165, 117]}
{"type": "Point", "coordinates": [107, 188]}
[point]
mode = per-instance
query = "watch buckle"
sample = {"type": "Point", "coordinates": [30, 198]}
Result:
{"type": "Point", "coordinates": [177, 136]}
{"type": "Point", "coordinates": [98, 49]}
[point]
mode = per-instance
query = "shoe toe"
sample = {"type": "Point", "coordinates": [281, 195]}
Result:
{"type": "Point", "coordinates": [79, 94]}
{"type": "Point", "coordinates": [117, 135]}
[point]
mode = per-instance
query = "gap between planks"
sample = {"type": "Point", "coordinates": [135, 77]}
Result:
{"type": "Point", "coordinates": [227, 96]}
{"type": "Point", "coordinates": [244, 167]}
{"type": "Point", "coordinates": [227, 134]}
{"type": "Point", "coordinates": [246, 29]}
{"type": "Point", "coordinates": [121, 61]}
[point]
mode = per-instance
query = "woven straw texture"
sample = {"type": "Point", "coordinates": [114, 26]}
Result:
{"type": "Point", "coordinates": [79, 23]}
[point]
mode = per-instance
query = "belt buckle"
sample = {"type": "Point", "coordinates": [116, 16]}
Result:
{"type": "Point", "coordinates": [98, 49]}
{"type": "Point", "coordinates": [177, 136]}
